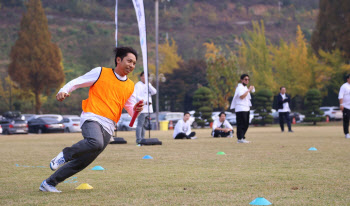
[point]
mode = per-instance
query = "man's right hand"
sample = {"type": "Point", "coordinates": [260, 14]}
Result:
{"type": "Point", "coordinates": [341, 107]}
{"type": "Point", "coordinates": [251, 88]}
{"type": "Point", "coordinates": [61, 96]}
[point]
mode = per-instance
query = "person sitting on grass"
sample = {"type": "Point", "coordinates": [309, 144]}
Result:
{"type": "Point", "coordinates": [221, 127]}
{"type": "Point", "coordinates": [183, 128]}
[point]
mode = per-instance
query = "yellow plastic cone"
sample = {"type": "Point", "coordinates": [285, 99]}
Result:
{"type": "Point", "coordinates": [84, 186]}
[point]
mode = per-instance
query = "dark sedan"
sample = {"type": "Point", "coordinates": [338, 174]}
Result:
{"type": "Point", "coordinates": [45, 125]}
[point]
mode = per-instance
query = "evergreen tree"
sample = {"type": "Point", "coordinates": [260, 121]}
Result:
{"type": "Point", "coordinates": [313, 102]}
{"type": "Point", "coordinates": [263, 106]}
{"type": "Point", "coordinates": [202, 103]}
{"type": "Point", "coordinates": [36, 61]}
{"type": "Point", "coordinates": [333, 27]}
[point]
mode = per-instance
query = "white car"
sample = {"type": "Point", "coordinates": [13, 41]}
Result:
{"type": "Point", "coordinates": [58, 117]}
{"type": "Point", "coordinates": [333, 113]}
{"type": "Point", "coordinates": [71, 123]}
{"type": "Point", "coordinates": [124, 121]}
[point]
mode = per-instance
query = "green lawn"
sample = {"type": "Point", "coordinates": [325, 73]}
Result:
{"type": "Point", "coordinates": [277, 166]}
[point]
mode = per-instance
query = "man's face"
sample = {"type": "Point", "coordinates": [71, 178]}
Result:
{"type": "Point", "coordinates": [222, 118]}
{"type": "Point", "coordinates": [283, 90]}
{"type": "Point", "coordinates": [142, 78]}
{"type": "Point", "coordinates": [187, 117]}
{"type": "Point", "coordinates": [126, 65]}
{"type": "Point", "coordinates": [245, 80]}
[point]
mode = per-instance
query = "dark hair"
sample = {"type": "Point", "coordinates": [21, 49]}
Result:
{"type": "Point", "coordinates": [221, 113]}
{"type": "Point", "coordinates": [187, 113]}
{"type": "Point", "coordinates": [244, 75]}
{"type": "Point", "coordinates": [282, 87]}
{"type": "Point", "coordinates": [142, 74]}
{"type": "Point", "coordinates": [347, 76]}
{"type": "Point", "coordinates": [121, 52]}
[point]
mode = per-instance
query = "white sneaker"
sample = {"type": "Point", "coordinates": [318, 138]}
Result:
{"type": "Point", "coordinates": [44, 187]}
{"type": "Point", "coordinates": [194, 137]}
{"type": "Point", "coordinates": [242, 141]}
{"type": "Point", "coordinates": [57, 162]}
{"type": "Point", "coordinates": [246, 141]}
{"type": "Point", "coordinates": [347, 136]}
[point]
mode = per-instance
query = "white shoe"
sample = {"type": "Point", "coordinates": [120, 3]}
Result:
{"type": "Point", "coordinates": [242, 141]}
{"type": "Point", "coordinates": [57, 162]}
{"type": "Point", "coordinates": [347, 136]}
{"type": "Point", "coordinates": [44, 187]}
{"type": "Point", "coordinates": [194, 137]}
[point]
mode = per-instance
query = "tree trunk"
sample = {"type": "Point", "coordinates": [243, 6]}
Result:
{"type": "Point", "coordinates": [37, 103]}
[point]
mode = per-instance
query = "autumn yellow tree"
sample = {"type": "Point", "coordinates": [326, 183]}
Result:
{"type": "Point", "coordinates": [254, 58]}
{"type": "Point", "coordinates": [12, 97]}
{"type": "Point", "coordinates": [222, 75]}
{"type": "Point", "coordinates": [35, 61]}
{"type": "Point", "coordinates": [297, 68]}
{"type": "Point", "coordinates": [168, 57]}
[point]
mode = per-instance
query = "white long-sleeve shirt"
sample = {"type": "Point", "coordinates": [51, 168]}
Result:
{"type": "Point", "coordinates": [217, 124]}
{"type": "Point", "coordinates": [140, 92]}
{"type": "Point", "coordinates": [88, 80]}
{"type": "Point", "coordinates": [182, 126]}
{"type": "Point", "coordinates": [241, 105]}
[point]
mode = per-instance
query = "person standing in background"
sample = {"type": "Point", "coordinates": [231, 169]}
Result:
{"type": "Point", "coordinates": [283, 106]}
{"type": "Point", "coordinates": [141, 93]}
{"type": "Point", "coordinates": [241, 103]}
{"type": "Point", "coordinates": [344, 101]}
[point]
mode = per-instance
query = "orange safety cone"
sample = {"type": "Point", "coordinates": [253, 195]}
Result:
{"type": "Point", "coordinates": [327, 118]}
{"type": "Point", "coordinates": [171, 126]}
{"type": "Point", "coordinates": [211, 124]}
{"type": "Point", "coordinates": [294, 122]}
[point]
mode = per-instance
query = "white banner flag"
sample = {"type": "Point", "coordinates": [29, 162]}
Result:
{"type": "Point", "coordinates": [140, 14]}
{"type": "Point", "coordinates": [116, 23]}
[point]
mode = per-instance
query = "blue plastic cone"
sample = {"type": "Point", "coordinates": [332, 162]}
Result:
{"type": "Point", "coordinates": [147, 157]}
{"type": "Point", "coordinates": [260, 201]}
{"type": "Point", "coordinates": [313, 149]}
{"type": "Point", "coordinates": [98, 168]}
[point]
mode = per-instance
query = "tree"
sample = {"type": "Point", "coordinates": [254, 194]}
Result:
{"type": "Point", "coordinates": [222, 75]}
{"type": "Point", "coordinates": [202, 103]}
{"type": "Point", "coordinates": [13, 98]}
{"type": "Point", "coordinates": [297, 67]}
{"type": "Point", "coordinates": [255, 58]}
{"type": "Point", "coordinates": [168, 57]}
{"type": "Point", "coordinates": [176, 93]}
{"type": "Point", "coordinates": [263, 106]}
{"type": "Point", "coordinates": [36, 61]}
{"type": "Point", "coordinates": [333, 27]}
{"type": "Point", "coordinates": [313, 102]}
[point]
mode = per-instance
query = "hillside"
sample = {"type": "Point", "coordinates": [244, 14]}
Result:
{"type": "Point", "coordinates": [84, 30]}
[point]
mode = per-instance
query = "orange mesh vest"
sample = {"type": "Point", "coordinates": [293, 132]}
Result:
{"type": "Point", "coordinates": [107, 96]}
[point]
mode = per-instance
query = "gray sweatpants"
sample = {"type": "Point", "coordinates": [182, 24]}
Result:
{"type": "Point", "coordinates": [140, 129]}
{"type": "Point", "coordinates": [81, 154]}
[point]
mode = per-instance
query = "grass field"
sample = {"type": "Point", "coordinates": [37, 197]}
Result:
{"type": "Point", "coordinates": [277, 166]}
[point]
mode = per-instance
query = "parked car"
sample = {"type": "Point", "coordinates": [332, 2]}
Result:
{"type": "Point", "coordinates": [27, 116]}
{"type": "Point", "coordinates": [14, 126]}
{"type": "Point", "coordinates": [231, 118]}
{"type": "Point", "coordinates": [58, 117]}
{"type": "Point", "coordinates": [163, 116]}
{"type": "Point", "coordinates": [71, 123]}
{"type": "Point", "coordinates": [0, 129]}
{"type": "Point", "coordinates": [45, 125]}
{"type": "Point", "coordinates": [123, 123]}
{"type": "Point", "coordinates": [333, 113]}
